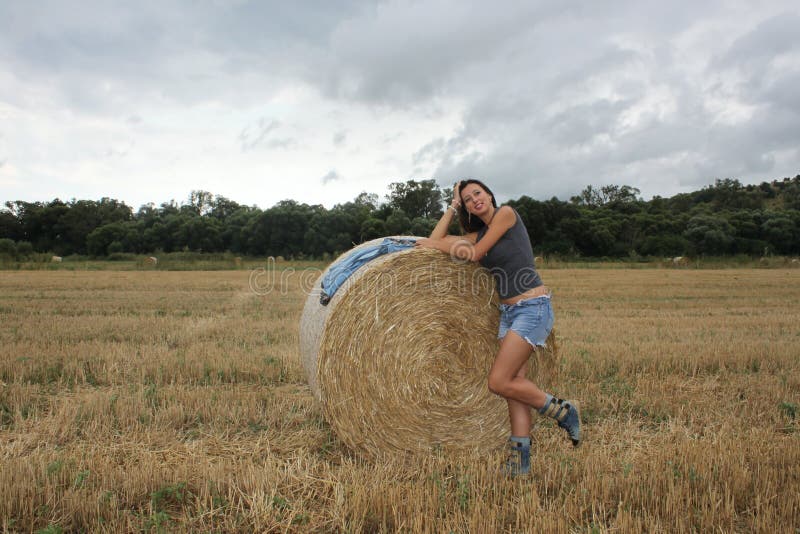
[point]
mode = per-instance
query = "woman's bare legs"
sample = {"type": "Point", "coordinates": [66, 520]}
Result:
{"type": "Point", "coordinates": [505, 378]}
{"type": "Point", "coordinates": [519, 413]}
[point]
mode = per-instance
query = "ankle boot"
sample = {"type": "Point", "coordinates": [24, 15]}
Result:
{"type": "Point", "coordinates": [519, 456]}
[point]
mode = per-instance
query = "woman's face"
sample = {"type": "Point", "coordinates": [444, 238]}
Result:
{"type": "Point", "coordinates": [475, 199]}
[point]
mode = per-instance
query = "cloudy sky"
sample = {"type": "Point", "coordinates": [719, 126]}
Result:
{"type": "Point", "coordinates": [318, 101]}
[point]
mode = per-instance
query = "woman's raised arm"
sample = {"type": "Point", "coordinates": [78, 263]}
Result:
{"type": "Point", "coordinates": [440, 230]}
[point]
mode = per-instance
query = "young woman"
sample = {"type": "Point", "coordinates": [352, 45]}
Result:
{"type": "Point", "coordinates": [497, 238]}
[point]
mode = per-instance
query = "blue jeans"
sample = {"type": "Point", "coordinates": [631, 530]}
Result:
{"type": "Point", "coordinates": [338, 273]}
{"type": "Point", "coordinates": [532, 319]}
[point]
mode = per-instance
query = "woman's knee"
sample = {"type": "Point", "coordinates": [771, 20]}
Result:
{"type": "Point", "coordinates": [498, 385]}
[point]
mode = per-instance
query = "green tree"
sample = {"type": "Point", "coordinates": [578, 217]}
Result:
{"type": "Point", "coordinates": [747, 233]}
{"type": "Point", "coordinates": [780, 231]}
{"type": "Point", "coordinates": [416, 199]}
{"type": "Point", "coordinates": [222, 208]}
{"type": "Point", "coordinates": [398, 223]}
{"type": "Point", "coordinates": [200, 202]}
{"type": "Point", "coordinates": [169, 208]}
{"type": "Point", "coordinates": [40, 223]}
{"type": "Point", "coordinates": [659, 233]}
{"type": "Point", "coordinates": [709, 234]}
{"type": "Point", "coordinates": [551, 224]}
{"type": "Point", "coordinates": [83, 216]}
{"type": "Point", "coordinates": [669, 245]}
{"type": "Point", "coordinates": [8, 249]}
{"type": "Point", "coordinates": [200, 234]}
{"type": "Point", "coordinates": [10, 227]}
{"type": "Point", "coordinates": [791, 194]}
{"type": "Point", "coordinates": [607, 194]}
{"type": "Point", "coordinates": [373, 228]}
{"type": "Point", "coordinates": [422, 227]}
{"type": "Point", "coordinates": [332, 231]}
{"type": "Point", "coordinates": [100, 239]}
{"type": "Point", "coordinates": [367, 200]}
{"type": "Point", "coordinates": [534, 214]}
{"type": "Point", "coordinates": [731, 194]}
{"type": "Point", "coordinates": [603, 235]}
{"type": "Point", "coordinates": [353, 214]}
{"type": "Point", "coordinates": [234, 235]}
{"type": "Point", "coordinates": [115, 247]}
{"type": "Point", "coordinates": [24, 250]}
{"type": "Point", "coordinates": [281, 230]}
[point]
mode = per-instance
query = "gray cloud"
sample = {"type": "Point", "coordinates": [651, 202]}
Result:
{"type": "Point", "coordinates": [551, 96]}
{"type": "Point", "coordinates": [257, 134]}
{"type": "Point", "coordinates": [331, 176]}
{"type": "Point", "coordinates": [566, 132]}
{"type": "Point", "coordinates": [759, 47]}
{"type": "Point", "coordinates": [401, 54]}
{"type": "Point", "coordinates": [97, 55]}
{"type": "Point", "coordinates": [283, 143]}
{"type": "Point", "coordinates": [583, 123]}
{"type": "Point", "coordinates": [339, 138]}
{"type": "Point", "coordinates": [119, 151]}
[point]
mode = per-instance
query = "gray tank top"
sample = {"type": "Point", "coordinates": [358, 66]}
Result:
{"type": "Point", "coordinates": [510, 261]}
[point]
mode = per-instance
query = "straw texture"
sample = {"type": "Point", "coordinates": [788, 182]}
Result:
{"type": "Point", "coordinates": [400, 356]}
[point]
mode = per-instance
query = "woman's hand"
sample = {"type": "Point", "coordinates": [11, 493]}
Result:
{"type": "Point", "coordinates": [426, 242]}
{"type": "Point", "coordinates": [442, 245]}
{"type": "Point", "coordinates": [456, 202]}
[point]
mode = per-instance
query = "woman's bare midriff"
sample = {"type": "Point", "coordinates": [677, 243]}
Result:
{"type": "Point", "coordinates": [529, 294]}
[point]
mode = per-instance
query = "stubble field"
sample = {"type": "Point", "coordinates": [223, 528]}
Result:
{"type": "Point", "coordinates": [176, 401]}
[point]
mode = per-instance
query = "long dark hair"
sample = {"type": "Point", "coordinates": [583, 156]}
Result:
{"type": "Point", "coordinates": [471, 224]}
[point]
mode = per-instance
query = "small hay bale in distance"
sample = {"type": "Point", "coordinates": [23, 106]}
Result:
{"type": "Point", "coordinates": [399, 358]}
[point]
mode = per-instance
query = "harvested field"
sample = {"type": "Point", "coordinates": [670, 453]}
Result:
{"type": "Point", "coordinates": [176, 401]}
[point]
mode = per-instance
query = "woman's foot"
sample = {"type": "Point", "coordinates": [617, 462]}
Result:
{"type": "Point", "coordinates": [571, 422]}
{"type": "Point", "coordinates": [566, 415]}
{"type": "Point", "coordinates": [519, 457]}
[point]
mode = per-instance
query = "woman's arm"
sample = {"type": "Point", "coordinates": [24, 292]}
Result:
{"type": "Point", "coordinates": [440, 230]}
{"type": "Point", "coordinates": [450, 244]}
{"type": "Point", "coordinates": [466, 248]}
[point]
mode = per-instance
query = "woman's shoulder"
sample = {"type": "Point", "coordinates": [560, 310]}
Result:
{"type": "Point", "coordinates": [506, 216]}
{"type": "Point", "coordinates": [505, 208]}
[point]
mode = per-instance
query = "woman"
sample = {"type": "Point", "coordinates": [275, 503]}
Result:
{"type": "Point", "coordinates": [497, 238]}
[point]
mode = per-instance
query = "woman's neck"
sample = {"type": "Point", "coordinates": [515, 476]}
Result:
{"type": "Point", "coordinates": [489, 216]}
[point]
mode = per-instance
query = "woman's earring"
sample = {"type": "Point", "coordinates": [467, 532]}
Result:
{"type": "Point", "coordinates": [469, 218]}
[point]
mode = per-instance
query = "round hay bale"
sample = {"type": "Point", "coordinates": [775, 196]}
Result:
{"type": "Point", "coordinates": [399, 358]}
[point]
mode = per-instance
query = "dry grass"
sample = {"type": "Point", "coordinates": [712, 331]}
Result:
{"type": "Point", "coordinates": [169, 401]}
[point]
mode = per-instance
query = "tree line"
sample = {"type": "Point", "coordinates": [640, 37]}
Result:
{"type": "Point", "coordinates": [612, 221]}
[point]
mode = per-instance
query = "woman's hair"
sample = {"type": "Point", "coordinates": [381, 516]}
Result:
{"type": "Point", "coordinates": [468, 223]}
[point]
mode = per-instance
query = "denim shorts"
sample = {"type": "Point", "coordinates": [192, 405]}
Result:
{"type": "Point", "coordinates": [532, 319]}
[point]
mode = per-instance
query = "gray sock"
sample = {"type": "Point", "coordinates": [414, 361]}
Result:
{"type": "Point", "coordinates": [526, 441]}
